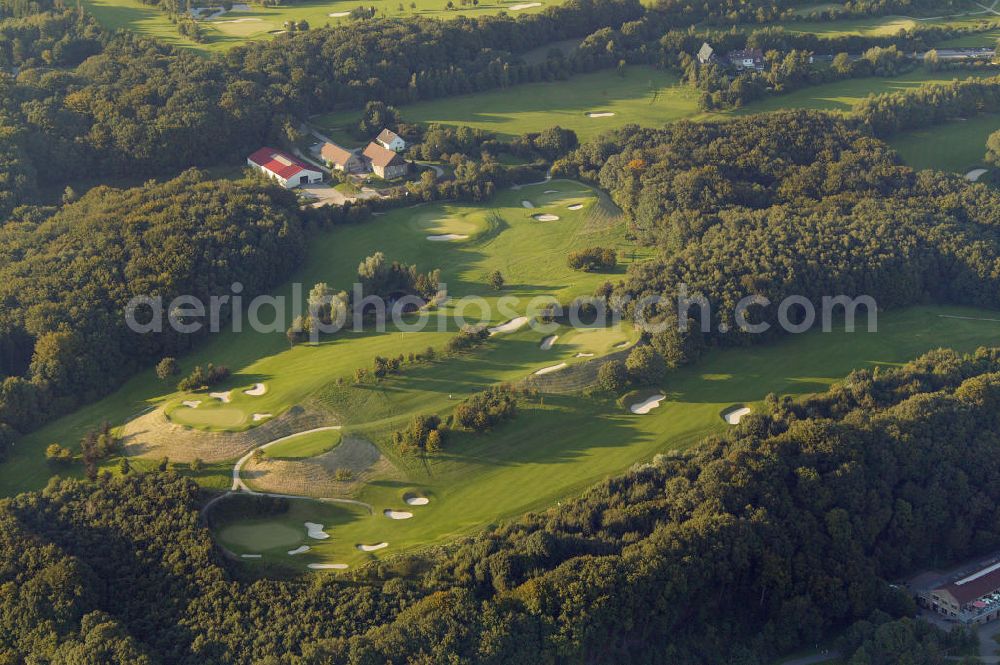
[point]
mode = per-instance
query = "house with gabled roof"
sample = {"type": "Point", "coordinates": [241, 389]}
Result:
{"type": "Point", "coordinates": [390, 140]}
{"type": "Point", "coordinates": [385, 163]}
{"type": "Point", "coordinates": [341, 159]}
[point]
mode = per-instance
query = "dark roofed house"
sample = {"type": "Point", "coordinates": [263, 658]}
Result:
{"type": "Point", "coordinates": [974, 598]}
{"type": "Point", "coordinates": [340, 158]}
{"type": "Point", "coordinates": [385, 163]}
{"type": "Point", "coordinates": [751, 58]}
{"type": "Point", "coordinates": [706, 54]}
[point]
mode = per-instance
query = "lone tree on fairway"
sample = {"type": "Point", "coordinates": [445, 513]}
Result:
{"type": "Point", "coordinates": [496, 280]}
{"type": "Point", "coordinates": [167, 368]}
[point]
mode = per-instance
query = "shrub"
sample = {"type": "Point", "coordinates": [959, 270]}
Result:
{"type": "Point", "coordinates": [167, 368]}
{"type": "Point", "coordinates": [593, 259]}
{"type": "Point", "coordinates": [484, 411]}
{"type": "Point", "coordinates": [56, 454]}
{"type": "Point", "coordinates": [203, 377]}
{"type": "Point", "coordinates": [424, 434]}
{"type": "Point", "coordinates": [468, 337]}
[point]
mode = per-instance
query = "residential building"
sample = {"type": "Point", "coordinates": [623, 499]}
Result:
{"type": "Point", "coordinates": [385, 163]}
{"type": "Point", "coordinates": [340, 158]}
{"type": "Point", "coordinates": [751, 58]}
{"type": "Point", "coordinates": [706, 54]}
{"type": "Point", "coordinates": [390, 140]}
{"type": "Point", "coordinates": [284, 169]}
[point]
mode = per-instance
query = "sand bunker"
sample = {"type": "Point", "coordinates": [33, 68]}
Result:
{"type": "Point", "coordinates": [510, 326]}
{"type": "Point", "coordinates": [603, 114]}
{"type": "Point", "coordinates": [191, 403]}
{"type": "Point", "coordinates": [576, 206]}
{"type": "Point", "coordinates": [524, 5]}
{"type": "Point", "coordinates": [258, 390]}
{"type": "Point", "coordinates": [647, 405]}
{"type": "Point", "coordinates": [328, 566]}
{"type": "Point", "coordinates": [551, 368]}
{"type": "Point", "coordinates": [546, 218]}
{"type": "Point", "coordinates": [257, 417]}
{"type": "Point", "coordinates": [372, 548]}
{"type": "Point", "coordinates": [527, 204]}
{"type": "Point", "coordinates": [551, 191]}
{"type": "Point", "coordinates": [416, 500]}
{"type": "Point", "coordinates": [225, 397]}
{"type": "Point", "coordinates": [397, 514]}
{"type": "Point", "coordinates": [548, 342]}
{"type": "Point", "coordinates": [315, 531]}
{"type": "Point", "coordinates": [339, 14]}
{"type": "Point", "coordinates": [622, 345]}
{"type": "Point", "coordinates": [299, 550]}
{"type": "Point", "coordinates": [584, 355]}
{"type": "Point", "coordinates": [975, 174]}
{"type": "Point", "coordinates": [733, 417]}
{"type": "Point", "coordinates": [444, 237]}
{"type": "Point", "coordinates": [241, 20]}
{"type": "Point", "coordinates": [250, 556]}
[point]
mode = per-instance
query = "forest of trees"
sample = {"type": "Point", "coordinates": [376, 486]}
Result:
{"type": "Point", "coordinates": [788, 526]}
{"type": "Point", "coordinates": [791, 203]}
{"type": "Point", "coordinates": [66, 278]}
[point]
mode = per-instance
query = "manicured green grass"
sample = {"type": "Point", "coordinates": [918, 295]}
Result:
{"type": "Point", "coordinates": [238, 27]}
{"type": "Point", "coordinates": [957, 146]}
{"type": "Point", "coordinates": [530, 254]}
{"type": "Point", "coordinates": [560, 444]}
{"type": "Point", "coordinates": [644, 96]}
{"type": "Point", "coordinates": [306, 445]}
{"type": "Point", "coordinates": [842, 95]}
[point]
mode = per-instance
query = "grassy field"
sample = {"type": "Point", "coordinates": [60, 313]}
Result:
{"type": "Point", "coordinates": [238, 27]}
{"type": "Point", "coordinates": [481, 479]}
{"type": "Point", "coordinates": [531, 255]}
{"type": "Point", "coordinates": [306, 445]}
{"type": "Point", "coordinates": [643, 96]}
{"type": "Point", "coordinates": [957, 146]}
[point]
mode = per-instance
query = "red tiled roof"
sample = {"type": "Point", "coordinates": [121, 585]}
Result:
{"type": "Point", "coordinates": [974, 589]}
{"type": "Point", "coordinates": [279, 163]}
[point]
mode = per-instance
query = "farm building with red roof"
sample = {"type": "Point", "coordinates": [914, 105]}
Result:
{"type": "Point", "coordinates": [285, 169]}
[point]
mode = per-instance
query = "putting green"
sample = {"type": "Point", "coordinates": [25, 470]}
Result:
{"type": "Point", "coordinates": [305, 445]}
{"type": "Point", "coordinates": [208, 416]}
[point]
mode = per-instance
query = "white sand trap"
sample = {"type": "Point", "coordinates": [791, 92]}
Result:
{"type": "Point", "coordinates": [551, 368]}
{"type": "Point", "coordinates": [975, 174]}
{"type": "Point", "coordinates": [584, 355]}
{"type": "Point", "coordinates": [339, 14]}
{"type": "Point", "coordinates": [602, 114]}
{"type": "Point", "coordinates": [257, 417]}
{"type": "Point", "coordinates": [417, 500]}
{"type": "Point", "coordinates": [551, 191]}
{"type": "Point", "coordinates": [328, 566]}
{"type": "Point", "coordinates": [576, 206]}
{"type": "Point", "coordinates": [445, 237]}
{"type": "Point", "coordinates": [736, 415]}
{"type": "Point", "coordinates": [241, 20]}
{"type": "Point", "coordinates": [299, 550]}
{"type": "Point", "coordinates": [191, 403]}
{"type": "Point", "coordinates": [622, 345]}
{"type": "Point", "coordinates": [647, 405]}
{"type": "Point", "coordinates": [546, 218]}
{"type": "Point", "coordinates": [524, 5]}
{"type": "Point", "coordinates": [527, 204]}
{"type": "Point", "coordinates": [510, 326]}
{"type": "Point", "coordinates": [225, 397]}
{"type": "Point", "coordinates": [257, 390]}
{"type": "Point", "coordinates": [548, 342]}
{"type": "Point", "coordinates": [372, 548]}
{"type": "Point", "coordinates": [250, 556]}
{"type": "Point", "coordinates": [397, 514]}
{"type": "Point", "coordinates": [315, 531]}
